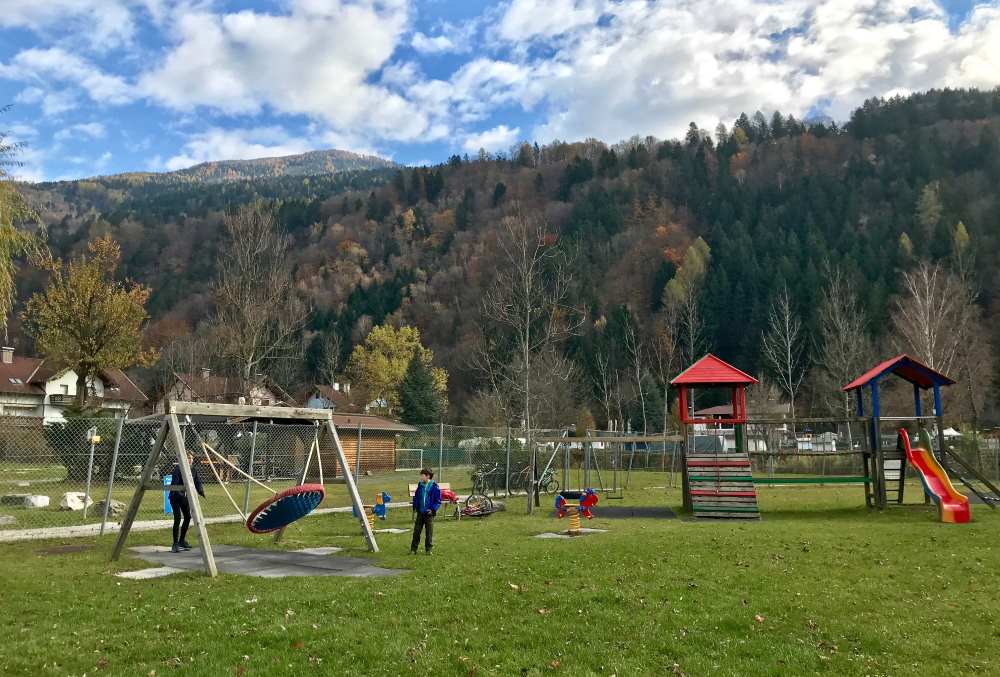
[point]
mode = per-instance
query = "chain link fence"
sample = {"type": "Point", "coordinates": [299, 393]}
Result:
{"type": "Point", "coordinates": [85, 471]}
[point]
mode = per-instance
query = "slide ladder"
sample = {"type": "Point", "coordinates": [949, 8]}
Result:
{"type": "Point", "coordinates": [953, 507]}
{"type": "Point", "coordinates": [972, 479]}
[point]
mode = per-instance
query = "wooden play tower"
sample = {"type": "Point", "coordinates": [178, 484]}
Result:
{"type": "Point", "coordinates": [717, 482]}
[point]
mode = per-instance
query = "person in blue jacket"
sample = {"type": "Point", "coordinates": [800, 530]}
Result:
{"type": "Point", "coordinates": [426, 501]}
{"type": "Point", "coordinates": [180, 506]}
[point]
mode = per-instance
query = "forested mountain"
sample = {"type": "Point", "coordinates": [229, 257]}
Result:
{"type": "Point", "coordinates": [777, 202]}
{"type": "Point", "coordinates": [306, 164]}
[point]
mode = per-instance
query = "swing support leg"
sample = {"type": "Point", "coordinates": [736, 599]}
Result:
{"type": "Point", "coordinates": [352, 488]}
{"type": "Point", "coordinates": [207, 556]}
{"type": "Point", "coordinates": [140, 491]}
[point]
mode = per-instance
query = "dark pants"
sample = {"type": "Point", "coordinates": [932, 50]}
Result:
{"type": "Point", "coordinates": [424, 521]}
{"type": "Point", "coordinates": [180, 507]}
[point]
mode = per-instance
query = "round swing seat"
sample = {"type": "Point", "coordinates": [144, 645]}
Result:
{"type": "Point", "coordinates": [285, 507]}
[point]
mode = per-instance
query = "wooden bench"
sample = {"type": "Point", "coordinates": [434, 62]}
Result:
{"type": "Point", "coordinates": [413, 488]}
{"type": "Point", "coordinates": [442, 486]}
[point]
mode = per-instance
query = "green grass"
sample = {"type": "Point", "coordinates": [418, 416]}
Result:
{"type": "Point", "coordinates": [838, 590]}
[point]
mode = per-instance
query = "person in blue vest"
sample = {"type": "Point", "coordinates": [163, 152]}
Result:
{"type": "Point", "coordinates": [180, 506]}
{"type": "Point", "coordinates": [426, 501]}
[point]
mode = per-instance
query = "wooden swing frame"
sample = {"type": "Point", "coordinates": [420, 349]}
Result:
{"type": "Point", "coordinates": [173, 429]}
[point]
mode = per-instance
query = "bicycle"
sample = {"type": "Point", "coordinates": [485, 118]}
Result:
{"type": "Point", "coordinates": [482, 479]}
{"type": "Point", "coordinates": [547, 483]}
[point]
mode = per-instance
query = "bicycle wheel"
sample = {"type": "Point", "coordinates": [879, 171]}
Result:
{"type": "Point", "coordinates": [478, 503]}
{"type": "Point", "coordinates": [551, 487]}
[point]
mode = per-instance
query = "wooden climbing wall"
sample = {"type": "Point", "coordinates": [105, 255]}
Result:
{"type": "Point", "coordinates": [721, 486]}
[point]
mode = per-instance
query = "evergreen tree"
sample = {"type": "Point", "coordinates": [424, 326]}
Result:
{"type": "Point", "coordinates": [419, 400]}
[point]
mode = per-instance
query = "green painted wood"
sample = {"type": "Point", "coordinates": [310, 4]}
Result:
{"type": "Point", "coordinates": [810, 480]}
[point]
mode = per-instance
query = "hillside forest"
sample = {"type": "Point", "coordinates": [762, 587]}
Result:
{"type": "Point", "coordinates": [568, 282]}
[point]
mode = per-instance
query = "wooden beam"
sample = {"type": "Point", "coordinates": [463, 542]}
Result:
{"type": "Point", "coordinates": [207, 556]}
{"type": "Point", "coordinates": [352, 488]}
{"type": "Point", "coordinates": [617, 439]}
{"type": "Point", "coordinates": [140, 491]}
{"type": "Point", "coordinates": [246, 411]}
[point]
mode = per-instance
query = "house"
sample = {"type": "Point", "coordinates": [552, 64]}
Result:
{"type": "Point", "coordinates": [29, 387]}
{"type": "Point", "coordinates": [339, 397]}
{"type": "Point", "coordinates": [379, 440]}
{"type": "Point", "coordinates": [208, 387]}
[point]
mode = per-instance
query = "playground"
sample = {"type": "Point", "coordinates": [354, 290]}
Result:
{"type": "Point", "coordinates": [710, 560]}
{"type": "Point", "coordinates": [822, 585]}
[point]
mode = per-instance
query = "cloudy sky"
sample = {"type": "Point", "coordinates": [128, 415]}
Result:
{"type": "Point", "coordinates": [103, 86]}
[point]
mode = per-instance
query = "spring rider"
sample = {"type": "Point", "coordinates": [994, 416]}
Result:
{"type": "Point", "coordinates": [377, 509]}
{"type": "Point", "coordinates": [586, 500]}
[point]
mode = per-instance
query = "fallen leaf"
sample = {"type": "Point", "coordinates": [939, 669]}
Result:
{"type": "Point", "coordinates": [759, 618]}
{"type": "Point", "coordinates": [298, 644]}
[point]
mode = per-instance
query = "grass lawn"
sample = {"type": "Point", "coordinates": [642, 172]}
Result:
{"type": "Point", "coordinates": [819, 586]}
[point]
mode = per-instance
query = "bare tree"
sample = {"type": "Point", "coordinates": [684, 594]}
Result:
{"type": "Point", "coordinates": [258, 313]}
{"type": "Point", "coordinates": [935, 316]}
{"type": "Point", "coordinates": [664, 348]}
{"type": "Point", "coordinates": [845, 347]}
{"type": "Point", "coordinates": [528, 299]}
{"type": "Point", "coordinates": [329, 367]}
{"type": "Point", "coordinates": [603, 382]}
{"type": "Point", "coordinates": [783, 347]}
{"type": "Point", "coordinates": [637, 356]}
{"type": "Point", "coordinates": [692, 327]}
{"type": "Point", "coordinates": [939, 323]}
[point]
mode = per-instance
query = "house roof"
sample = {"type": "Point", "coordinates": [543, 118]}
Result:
{"type": "Point", "coordinates": [904, 367]}
{"type": "Point", "coordinates": [711, 371]}
{"type": "Point", "coordinates": [351, 401]}
{"type": "Point", "coordinates": [28, 375]}
{"type": "Point", "coordinates": [17, 377]}
{"type": "Point", "coordinates": [368, 422]}
{"type": "Point", "coordinates": [213, 387]}
{"type": "Point", "coordinates": [127, 390]}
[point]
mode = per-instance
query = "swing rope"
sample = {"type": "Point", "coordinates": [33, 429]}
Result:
{"type": "Point", "coordinates": [223, 459]}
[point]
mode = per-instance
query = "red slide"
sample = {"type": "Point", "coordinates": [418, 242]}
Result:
{"type": "Point", "coordinates": [953, 507]}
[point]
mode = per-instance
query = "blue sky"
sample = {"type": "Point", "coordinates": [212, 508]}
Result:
{"type": "Point", "coordinates": [104, 86]}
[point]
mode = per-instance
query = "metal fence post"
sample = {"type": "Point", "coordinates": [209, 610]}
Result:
{"type": "Point", "coordinates": [440, 451]}
{"type": "Point", "coordinates": [246, 489]}
{"type": "Point", "coordinates": [90, 472]}
{"type": "Point", "coordinates": [357, 460]}
{"type": "Point", "coordinates": [506, 474]}
{"type": "Point", "coordinates": [111, 475]}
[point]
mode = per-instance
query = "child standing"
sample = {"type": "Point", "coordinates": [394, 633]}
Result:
{"type": "Point", "coordinates": [426, 501]}
{"type": "Point", "coordinates": [180, 506]}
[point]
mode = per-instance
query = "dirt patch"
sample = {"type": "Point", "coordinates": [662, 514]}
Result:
{"type": "Point", "coordinates": [64, 549]}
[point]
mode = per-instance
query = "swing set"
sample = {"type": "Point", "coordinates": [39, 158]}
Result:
{"type": "Point", "coordinates": [281, 509]}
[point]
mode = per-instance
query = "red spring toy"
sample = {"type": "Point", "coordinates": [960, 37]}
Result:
{"type": "Point", "coordinates": [588, 499]}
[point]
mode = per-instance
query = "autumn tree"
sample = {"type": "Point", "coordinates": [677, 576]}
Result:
{"type": "Point", "coordinates": [15, 242]}
{"type": "Point", "coordinates": [258, 314]}
{"type": "Point", "coordinates": [86, 319]}
{"type": "Point", "coordinates": [783, 346]}
{"type": "Point", "coordinates": [681, 299]}
{"type": "Point", "coordinates": [380, 363]}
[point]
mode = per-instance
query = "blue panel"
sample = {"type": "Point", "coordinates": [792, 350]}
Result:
{"type": "Point", "coordinates": [286, 510]}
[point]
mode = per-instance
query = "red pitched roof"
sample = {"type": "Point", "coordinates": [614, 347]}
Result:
{"type": "Point", "coordinates": [711, 371]}
{"type": "Point", "coordinates": [907, 369]}
{"type": "Point", "coordinates": [18, 377]}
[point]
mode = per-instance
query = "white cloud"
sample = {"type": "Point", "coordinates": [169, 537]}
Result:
{"type": "Point", "coordinates": [438, 44]}
{"type": "Point", "coordinates": [317, 61]}
{"type": "Point", "coordinates": [236, 144]}
{"type": "Point", "coordinates": [500, 137]}
{"type": "Point", "coordinates": [100, 24]}
{"type": "Point", "coordinates": [92, 130]}
{"type": "Point", "coordinates": [56, 76]}
{"type": "Point", "coordinates": [52, 103]}
{"type": "Point", "coordinates": [614, 69]}
{"type": "Point", "coordinates": [527, 19]}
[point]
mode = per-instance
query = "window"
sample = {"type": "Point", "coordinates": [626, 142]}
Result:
{"type": "Point", "coordinates": [15, 381]}
{"type": "Point", "coordinates": [65, 389]}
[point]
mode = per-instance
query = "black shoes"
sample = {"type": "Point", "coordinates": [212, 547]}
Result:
{"type": "Point", "coordinates": [175, 548]}
{"type": "Point", "coordinates": [185, 545]}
